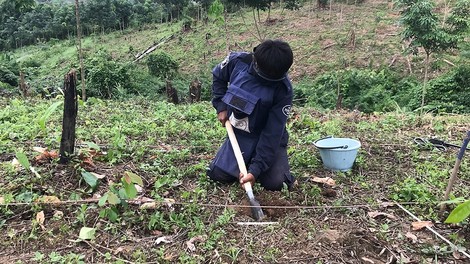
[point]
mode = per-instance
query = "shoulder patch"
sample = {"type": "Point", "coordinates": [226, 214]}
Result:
{"type": "Point", "coordinates": [225, 62]}
{"type": "Point", "coordinates": [286, 110]}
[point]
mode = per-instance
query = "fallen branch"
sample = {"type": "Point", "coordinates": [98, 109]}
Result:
{"type": "Point", "coordinates": [257, 223]}
{"type": "Point", "coordinates": [329, 45]}
{"type": "Point", "coordinates": [448, 62]}
{"type": "Point", "coordinates": [103, 254]}
{"type": "Point", "coordinates": [152, 48]}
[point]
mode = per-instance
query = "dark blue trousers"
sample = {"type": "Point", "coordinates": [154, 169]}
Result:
{"type": "Point", "coordinates": [273, 179]}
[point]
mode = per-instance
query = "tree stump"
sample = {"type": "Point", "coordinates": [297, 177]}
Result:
{"type": "Point", "coordinates": [195, 91]}
{"type": "Point", "coordinates": [23, 86]}
{"type": "Point", "coordinates": [171, 93]}
{"type": "Point", "coordinates": [67, 142]}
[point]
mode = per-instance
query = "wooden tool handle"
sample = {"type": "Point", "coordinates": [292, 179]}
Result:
{"type": "Point", "coordinates": [238, 153]}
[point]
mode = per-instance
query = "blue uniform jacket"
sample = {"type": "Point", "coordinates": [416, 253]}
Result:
{"type": "Point", "coordinates": [258, 110]}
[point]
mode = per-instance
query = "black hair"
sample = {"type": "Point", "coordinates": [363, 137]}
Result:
{"type": "Point", "coordinates": [273, 58]}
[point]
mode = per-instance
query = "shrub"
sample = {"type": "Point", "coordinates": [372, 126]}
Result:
{"type": "Point", "coordinates": [107, 78]}
{"type": "Point", "coordinates": [162, 65]}
{"type": "Point", "coordinates": [7, 76]}
{"type": "Point", "coordinates": [365, 90]}
{"type": "Point", "coordinates": [449, 93]}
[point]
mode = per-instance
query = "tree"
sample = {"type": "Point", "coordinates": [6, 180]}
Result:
{"type": "Point", "coordinates": [422, 28]}
{"type": "Point", "coordinates": [80, 52]}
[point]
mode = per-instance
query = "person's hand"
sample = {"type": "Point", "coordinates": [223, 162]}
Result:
{"type": "Point", "coordinates": [222, 117]}
{"type": "Point", "coordinates": [247, 178]}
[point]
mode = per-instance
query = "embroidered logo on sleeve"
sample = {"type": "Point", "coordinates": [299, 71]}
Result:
{"type": "Point", "coordinates": [225, 62]}
{"type": "Point", "coordinates": [286, 110]}
{"type": "Point", "coordinates": [242, 124]}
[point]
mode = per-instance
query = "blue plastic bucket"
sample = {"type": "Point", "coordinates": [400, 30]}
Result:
{"type": "Point", "coordinates": [338, 154]}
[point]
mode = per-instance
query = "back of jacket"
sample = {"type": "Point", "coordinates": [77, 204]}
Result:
{"type": "Point", "coordinates": [257, 108]}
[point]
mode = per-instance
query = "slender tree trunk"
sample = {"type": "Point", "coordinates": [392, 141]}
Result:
{"type": "Point", "coordinates": [22, 85]}
{"type": "Point", "coordinates": [331, 6]}
{"type": "Point", "coordinates": [256, 25]}
{"type": "Point", "coordinates": [80, 52]}
{"type": "Point", "coordinates": [426, 68]}
{"type": "Point", "coordinates": [227, 37]}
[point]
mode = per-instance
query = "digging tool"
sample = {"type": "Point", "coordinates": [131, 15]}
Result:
{"type": "Point", "coordinates": [255, 206]}
{"type": "Point", "coordinates": [436, 141]}
{"type": "Point", "coordinates": [455, 169]}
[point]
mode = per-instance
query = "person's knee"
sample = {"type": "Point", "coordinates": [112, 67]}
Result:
{"type": "Point", "coordinates": [216, 174]}
{"type": "Point", "coordinates": [277, 182]}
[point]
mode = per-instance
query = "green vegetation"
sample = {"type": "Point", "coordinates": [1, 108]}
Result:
{"type": "Point", "coordinates": [136, 189]}
{"type": "Point", "coordinates": [138, 178]}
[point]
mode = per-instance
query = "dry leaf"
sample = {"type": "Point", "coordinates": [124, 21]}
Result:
{"type": "Point", "coordinates": [169, 257]}
{"type": "Point", "coordinates": [190, 243]}
{"type": "Point", "coordinates": [99, 176]}
{"type": "Point", "coordinates": [48, 199]}
{"type": "Point", "coordinates": [169, 202]}
{"type": "Point", "coordinates": [88, 164]}
{"type": "Point", "coordinates": [456, 254]}
{"type": "Point", "coordinates": [39, 149]}
{"type": "Point", "coordinates": [58, 214]}
{"type": "Point", "coordinates": [40, 219]}
{"type": "Point", "coordinates": [46, 156]}
{"type": "Point", "coordinates": [367, 260]}
{"type": "Point", "coordinates": [16, 164]}
{"type": "Point", "coordinates": [2, 200]}
{"type": "Point", "coordinates": [156, 232]}
{"type": "Point", "coordinates": [420, 225]}
{"type": "Point", "coordinates": [164, 239]}
{"type": "Point", "coordinates": [375, 214]}
{"type": "Point", "coordinates": [326, 180]}
{"type": "Point", "coordinates": [412, 237]}
{"type": "Point", "coordinates": [404, 259]}
{"type": "Point", "coordinates": [149, 205]}
{"type": "Point", "coordinates": [387, 204]}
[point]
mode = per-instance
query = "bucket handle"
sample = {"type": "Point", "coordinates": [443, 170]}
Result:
{"type": "Point", "coordinates": [336, 147]}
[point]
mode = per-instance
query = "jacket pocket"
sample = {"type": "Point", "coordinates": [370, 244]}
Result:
{"type": "Point", "coordinates": [240, 99]}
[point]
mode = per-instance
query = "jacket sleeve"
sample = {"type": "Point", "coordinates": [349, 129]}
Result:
{"type": "Point", "coordinates": [272, 133]}
{"type": "Point", "coordinates": [220, 79]}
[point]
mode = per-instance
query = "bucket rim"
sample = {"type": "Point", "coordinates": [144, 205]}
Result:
{"type": "Point", "coordinates": [338, 147]}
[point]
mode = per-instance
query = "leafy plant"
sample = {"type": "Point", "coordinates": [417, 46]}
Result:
{"type": "Point", "coordinates": [460, 213]}
{"type": "Point", "coordinates": [119, 194]}
{"type": "Point", "coordinates": [107, 78]}
{"type": "Point", "coordinates": [43, 118]}
{"type": "Point", "coordinates": [162, 65]}
{"type": "Point", "coordinates": [422, 28]}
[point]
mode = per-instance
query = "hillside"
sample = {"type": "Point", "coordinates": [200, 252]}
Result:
{"type": "Point", "coordinates": [181, 216]}
{"type": "Point", "coordinates": [136, 190]}
{"type": "Point", "coordinates": [347, 36]}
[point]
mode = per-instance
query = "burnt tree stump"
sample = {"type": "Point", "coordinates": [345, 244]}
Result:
{"type": "Point", "coordinates": [195, 91]}
{"type": "Point", "coordinates": [67, 142]}
{"type": "Point", "coordinates": [171, 93]}
{"type": "Point", "coordinates": [23, 86]}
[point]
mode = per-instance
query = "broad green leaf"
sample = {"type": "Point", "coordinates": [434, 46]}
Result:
{"type": "Point", "coordinates": [90, 179]}
{"type": "Point", "coordinates": [123, 194]}
{"type": "Point", "coordinates": [23, 160]}
{"type": "Point", "coordinates": [113, 198]}
{"type": "Point", "coordinates": [112, 215]}
{"type": "Point", "coordinates": [87, 233]}
{"type": "Point", "coordinates": [460, 213]}
{"type": "Point", "coordinates": [42, 120]}
{"type": "Point", "coordinates": [92, 145]}
{"type": "Point", "coordinates": [103, 200]}
{"type": "Point", "coordinates": [454, 201]}
{"type": "Point", "coordinates": [131, 191]}
{"type": "Point", "coordinates": [135, 178]}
